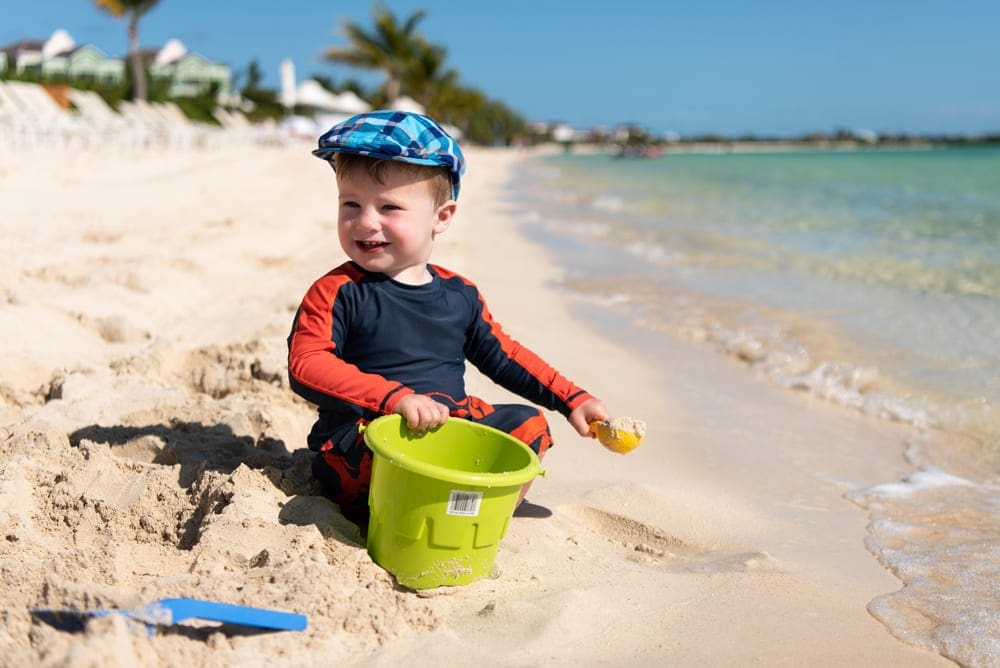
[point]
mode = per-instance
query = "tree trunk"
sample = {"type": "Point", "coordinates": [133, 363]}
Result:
{"type": "Point", "coordinates": [138, 72]}
{"type": "Point", "coordinates": [392, 86]}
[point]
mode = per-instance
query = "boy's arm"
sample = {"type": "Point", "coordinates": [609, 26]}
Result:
{"type": "Point", "coordinates": [315, 370]}
{"type": "Point", "coordinates": [517, 368]}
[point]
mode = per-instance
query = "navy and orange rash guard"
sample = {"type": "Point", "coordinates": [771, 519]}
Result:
{"type": "Point", "coordinates": [362, 341]}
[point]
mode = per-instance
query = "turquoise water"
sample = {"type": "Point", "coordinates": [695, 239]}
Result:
{"type": "Point", "coordinates": [869, 278]}
{"type": "Point", "coordinates": [882, 265]}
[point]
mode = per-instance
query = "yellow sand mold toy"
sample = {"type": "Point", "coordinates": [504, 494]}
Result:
{"type": "Point", "coordinates": [620, 434]}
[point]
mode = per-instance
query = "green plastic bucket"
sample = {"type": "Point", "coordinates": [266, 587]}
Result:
{"type": "Point", "coordinates": [441, 502]}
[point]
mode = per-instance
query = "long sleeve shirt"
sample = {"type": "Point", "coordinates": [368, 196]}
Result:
{"type": "Point", "coordinates": [361, 342]}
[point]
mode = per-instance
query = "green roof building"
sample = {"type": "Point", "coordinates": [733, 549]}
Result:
{"type": "Point", "coordinates": [60, 59]}
{"type": "Point", "coordinates": [189, 74]}
{"type": "Point", "coordinates": [86, 63]}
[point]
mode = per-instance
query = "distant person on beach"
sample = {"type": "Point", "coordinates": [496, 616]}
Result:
{"type": "Point", "coordinates": [387, 332]}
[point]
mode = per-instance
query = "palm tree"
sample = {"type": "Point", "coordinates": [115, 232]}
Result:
{"type": "Point", "coordinates": [417, 67]}
{"type": "Point", "coordinates": [133, 10]}
{"type": "Point", "coordinates": [427, 76]}
{"type": "Point", "coordinates": [389, 47]}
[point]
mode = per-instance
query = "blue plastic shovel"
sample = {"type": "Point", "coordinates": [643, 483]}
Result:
{"type": "Point", "coordinates": [169, 611]}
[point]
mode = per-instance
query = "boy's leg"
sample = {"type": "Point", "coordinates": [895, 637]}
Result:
{"type": "Point", "coordinates": [346, 477]}
{"type": "Point", "coordinates": [525, 423]}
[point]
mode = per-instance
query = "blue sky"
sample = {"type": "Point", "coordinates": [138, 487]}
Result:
{"type": "Point", "coordinates": [767, 67]}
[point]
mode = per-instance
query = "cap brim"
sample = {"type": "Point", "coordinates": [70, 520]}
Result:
{"type": "Point", "coordinates": [326, 152]}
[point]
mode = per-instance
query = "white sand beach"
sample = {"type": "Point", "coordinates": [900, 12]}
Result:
{"type": "Point", "coordinates": [151, 448]}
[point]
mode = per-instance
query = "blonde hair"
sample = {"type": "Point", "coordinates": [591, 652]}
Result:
{"type": "Point", "coordinates": [351, 164]}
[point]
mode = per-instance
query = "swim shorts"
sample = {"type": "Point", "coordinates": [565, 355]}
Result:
{"type": "Point", "coordinates": [345, 469]}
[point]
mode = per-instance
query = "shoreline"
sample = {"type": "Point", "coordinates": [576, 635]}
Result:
{"type": "Point", "coordinates": [616, 479]}
{"type": "Point", "coordinates": [912, 528]}
{"type": "Point", "coordinates": [751, 315]}
{"type": "Point", "coordinates": [772, 146]}
{"type": "Point", "coordinates": [152, 448]}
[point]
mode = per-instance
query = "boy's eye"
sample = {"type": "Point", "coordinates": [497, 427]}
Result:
{"type": "Point", "coordinates": [390, 207]}
{"type": "Point", "coordinates": [350, 205]}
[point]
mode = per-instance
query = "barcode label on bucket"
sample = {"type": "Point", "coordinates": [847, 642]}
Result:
{"type": "Point", "coordinates": [465, 504]}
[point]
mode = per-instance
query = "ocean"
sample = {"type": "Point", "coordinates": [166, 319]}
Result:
{"type": "Point", "coordinates": [870, 278]}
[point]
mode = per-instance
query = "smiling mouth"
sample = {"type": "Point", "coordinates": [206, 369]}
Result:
{"type": "Point", "coordinates": [371, 245]}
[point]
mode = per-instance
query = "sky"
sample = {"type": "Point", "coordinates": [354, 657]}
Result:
{"type": "Point", "coordinates": [765, 67]}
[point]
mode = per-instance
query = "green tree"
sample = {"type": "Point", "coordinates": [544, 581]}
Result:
{"type": "Point", "coordinates": [427, 78]}
{"type": "Point", "coordinates": [481, 120]}
{"type": "Point", "coordinates": [264, 100]}
{"type": "Point", "coordinates": [133, 10]}
{"type": "Point", "coordinates": [416, 67]}
{"type": "Point", "coordinates": [254, 77]}
{"type": "Point", "coordinates": [389, 47]}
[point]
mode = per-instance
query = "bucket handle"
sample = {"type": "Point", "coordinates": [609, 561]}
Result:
{"type": "Point", "coordinates": [362, 427]}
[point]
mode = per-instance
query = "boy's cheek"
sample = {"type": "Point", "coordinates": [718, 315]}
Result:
{"type": "Point", "coordinates": [344, 236]}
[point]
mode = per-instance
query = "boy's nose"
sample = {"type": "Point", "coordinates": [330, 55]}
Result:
{"type": "Point", "coordinates": [368, 220]}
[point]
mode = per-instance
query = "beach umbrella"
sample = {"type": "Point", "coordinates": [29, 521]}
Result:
{"type": "Point", "coordinates": [287, 72]}
{"type": "Point", "coordinates": [404, 103]}
{"type": "Point", "coordinates": [350, 103]}
{"type": "Point", "coordinates": [311, 94]}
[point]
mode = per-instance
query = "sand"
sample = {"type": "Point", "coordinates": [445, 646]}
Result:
{"type": "Point", "coordinates": [151, 448]}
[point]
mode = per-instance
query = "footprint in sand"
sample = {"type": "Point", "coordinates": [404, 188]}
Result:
{"type": "Point", "coordinates": [220, 371]}
{"type": "Point", "coordinates": [112, 328]}
{"type": "Point", "coordinates": [648, 545]}
{"type": "Point", "coordinates": [271, 261]}
{"type": "Point", "coordinates": [101, 237]}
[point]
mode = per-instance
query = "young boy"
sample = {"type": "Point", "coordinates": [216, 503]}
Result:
{"type": "Point", "coordinates": [389, 333]}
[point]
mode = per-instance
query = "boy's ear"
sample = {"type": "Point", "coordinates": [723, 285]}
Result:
{"type": "Point", "coordinates": [443, 216]}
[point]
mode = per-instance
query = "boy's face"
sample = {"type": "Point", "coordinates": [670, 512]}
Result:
{"type": "Point", "coordinates": [390, 227]}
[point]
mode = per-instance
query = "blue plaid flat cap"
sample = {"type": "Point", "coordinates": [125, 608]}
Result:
{"type": "Point", "coordinates": [396, 135]}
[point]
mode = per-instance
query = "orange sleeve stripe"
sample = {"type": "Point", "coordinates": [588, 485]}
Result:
{"type": "Point", "coordinates": [312, 360]}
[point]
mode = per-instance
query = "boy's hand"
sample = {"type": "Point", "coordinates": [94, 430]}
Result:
{"type": "Point", "coordinates": [421, 412]}
{"type": "Point", "coordinates": [590, 410]}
